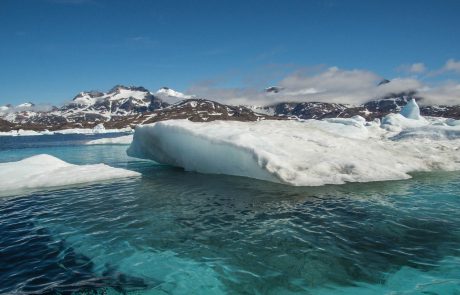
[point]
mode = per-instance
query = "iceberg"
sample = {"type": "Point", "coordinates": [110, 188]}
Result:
{"type": "Point", "coordinates": [307, 153]}
{"type": "Point", "coordinates": [20, 132]}
{"type": "Point", "coordinates": [121, 140]}
{"type": "Point", "coordinates": [44, 171]}
{"type": "Point", "coordinates": [98, 129]}
{"type": "Point", "coordinates": [411, 110]}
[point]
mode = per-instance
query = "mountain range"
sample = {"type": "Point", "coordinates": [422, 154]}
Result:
{"type": "Point", "coordinates": [124, 106]}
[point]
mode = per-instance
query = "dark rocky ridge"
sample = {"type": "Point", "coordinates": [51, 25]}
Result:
{"type": "Point", "coordinates": [370, 110]}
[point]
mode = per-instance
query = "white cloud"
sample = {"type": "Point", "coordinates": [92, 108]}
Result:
{"type": "Point", "coordinates": [416, 68]}
{"type": "Point", "coordinates": [445, 94]}
{"type": "Point", "coordinates": [452, 65]}
{"type": "Point", "coordinates": [329, 85]}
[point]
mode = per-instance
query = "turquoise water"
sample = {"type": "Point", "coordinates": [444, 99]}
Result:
{"type": "Point", "coordinates": [174, 232]}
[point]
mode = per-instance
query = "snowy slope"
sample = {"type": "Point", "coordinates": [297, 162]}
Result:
{"type": "Point", "coordinates": [120, 100]}
{"type": "Point", "coordinates": [170, 95]}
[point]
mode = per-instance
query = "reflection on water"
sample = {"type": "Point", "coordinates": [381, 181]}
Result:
{"type": "Point", "coordinates": [174, 232]}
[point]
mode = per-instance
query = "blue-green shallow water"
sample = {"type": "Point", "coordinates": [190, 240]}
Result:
{"type": "Point", "coordinates": [173, 232]}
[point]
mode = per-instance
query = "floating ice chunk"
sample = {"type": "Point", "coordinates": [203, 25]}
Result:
{"type": "Point", "coordinates": [20, 132]}
{"type": "Point", "coordinates": [297, 153]}
{"type": "Point", "coordinates": [92, 131]}
{"type": "Point", "coordinates": [430, 132]}
{"type": "Point", "coordinates": [397, 122]}
{"type": "Point", "coordinates": [409, 117]}
{"type": "Point", "coordinates": [411, 110]}
{"type": "Point", "coordinates": [42, 171]}
{"type": "Point", "coordinates": [121, 140]}
{"type": "Point", "coordinates": [95, 130]}
{"type": "Point", "coordinates": [9, 133]}
{"type": "Point", "coordinates": [28, 132]}
{"type": "Point", "coordinates": [99, 128]}
{"type": "Point", "coordinates": [452, 122]}
{"type": "Point", "coordinates": [347, 127]}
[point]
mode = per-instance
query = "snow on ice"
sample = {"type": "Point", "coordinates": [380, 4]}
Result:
{"type": "Point", "coordinates": [121, 140]}
{"type": "Point", "coordinates": [306, 153]}
{"type": "Point", "coordinates": [44, 171]}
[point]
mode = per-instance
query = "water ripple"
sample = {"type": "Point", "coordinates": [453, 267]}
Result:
{"type": "Point", "coordinates": [185, 233]}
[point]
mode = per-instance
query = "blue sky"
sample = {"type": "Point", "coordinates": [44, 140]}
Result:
{"type": "Point", "coordinates": [52, 49]}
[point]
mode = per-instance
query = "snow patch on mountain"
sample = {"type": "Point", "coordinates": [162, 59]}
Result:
{"type": "Point", "coordinates": [25, 105]}
{"type": "Point", "coordinates": [171, 96]}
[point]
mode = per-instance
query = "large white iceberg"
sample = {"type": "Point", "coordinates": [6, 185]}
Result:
{"type": "Point", "coordinates": [305, 153]}
{"type": "Point", "coordinates": [43, 171]}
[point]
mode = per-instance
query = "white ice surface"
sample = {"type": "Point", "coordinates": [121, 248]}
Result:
{"type": "Point", "coordinates": [20, 132]}
{"type": "Point", "coordinates": [95, 130]}
{"type": "Point", "coordinates": [122, 140]}
{"type": "Point", "coordinates": [305, 153]}
{"type": "Point", "coordinates": [43, 171]}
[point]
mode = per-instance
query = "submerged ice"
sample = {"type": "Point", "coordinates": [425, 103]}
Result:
{"type": "Point", "coordinates": [121, 140]}
{"type": "Point", "coordinates": [43, 171]}
{"type": "Point", "coordinates": [305, 153]}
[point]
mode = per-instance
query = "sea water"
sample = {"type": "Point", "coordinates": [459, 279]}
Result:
{"type": "Point", "coordinates": [176, 232]}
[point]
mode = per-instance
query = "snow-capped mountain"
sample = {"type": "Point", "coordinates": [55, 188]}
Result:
{"type": "Point", "coordinates": [171, 96]}
{"type": "Point", "coordinates": [120, 100]}
{"type": "Point", "coordinates": [273, 89]}
{"type": "Point", "coordinates": [376, 108]}
{"type": "Point", "coordinates": [123, 106]}
{"type": "Point", "coordinates": [373, 109]}
{"type": "Point", "coordinates": [25, 105]}
{"type": "Point", "coordinates": [128, 106]}
{"type": "Point", "coordinates": [201, 110]}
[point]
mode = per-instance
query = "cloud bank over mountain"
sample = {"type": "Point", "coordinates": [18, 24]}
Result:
{"type": "Point", "coordinates": [336, 85]}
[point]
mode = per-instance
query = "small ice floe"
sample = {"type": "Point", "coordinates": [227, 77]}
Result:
{"type": "Point", "coordinates": [121, 140]}
{"type": "Point", "coordinates": [44, 171]}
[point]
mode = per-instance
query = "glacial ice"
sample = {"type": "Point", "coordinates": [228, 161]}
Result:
{"type": "Point", "coordinates": [89, 131]}
{"type": "Point", "coordinates": [411, 110]}
{"type": "Point", "coordinates": [20, 132]}
{"type": "Point", "coordinates": [121, 140]}
{"type": "Point", "coordinates": [304, 153]}
{"type": "Point", "coordinates": [43, 171]}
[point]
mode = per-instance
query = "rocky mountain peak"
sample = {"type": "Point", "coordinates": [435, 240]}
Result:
{"type": "Point", "coordinates": [117, 88]}
{"type": "Point", "coordinates": [383, 82]}
{"type": "Point", "coordinates": [273, 89]}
